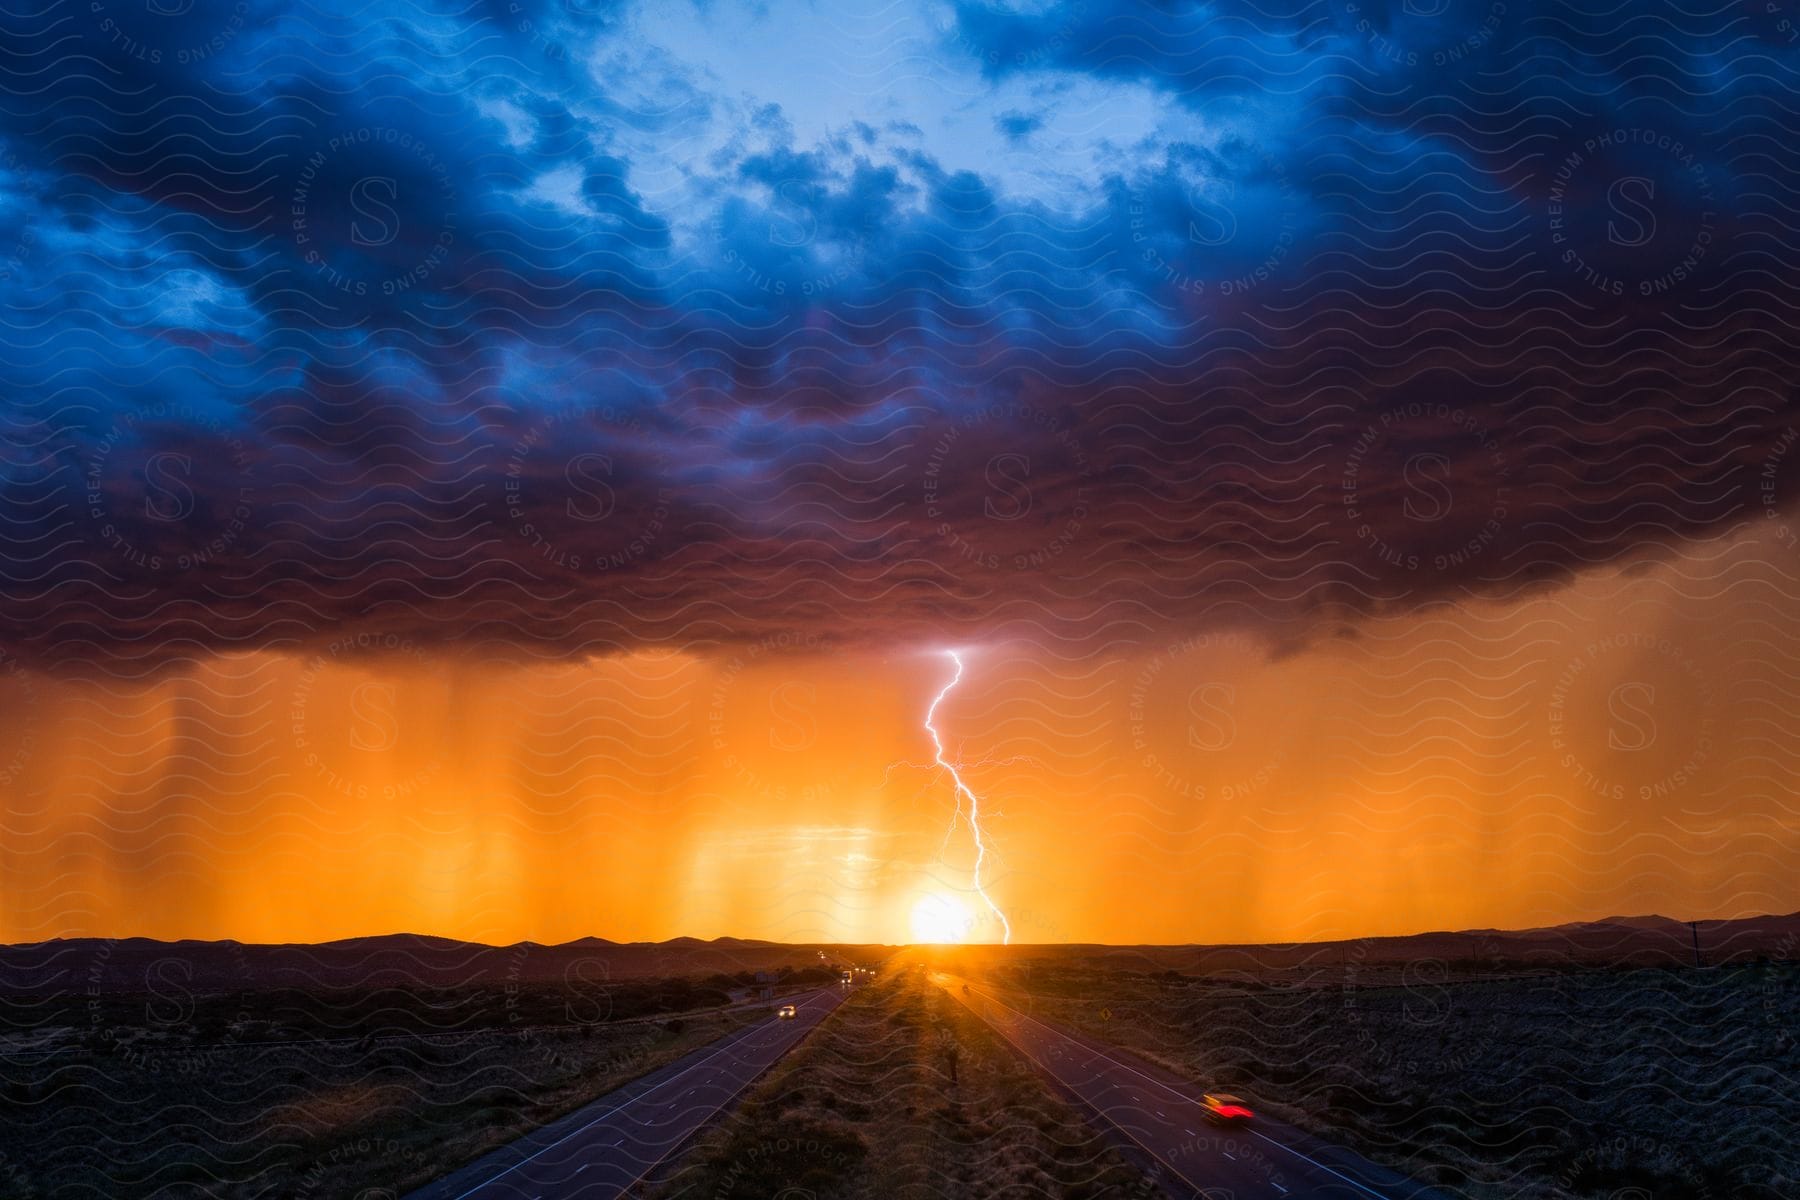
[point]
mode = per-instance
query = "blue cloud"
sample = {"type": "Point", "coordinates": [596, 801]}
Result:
{"type": "Point", "coordinates": [416, 287]}
{"type": "Point", "coordinates": [1018, 126]}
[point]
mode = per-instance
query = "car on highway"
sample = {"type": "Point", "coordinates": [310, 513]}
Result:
{"type": "Point", "coordinates": [1222, 1109]}
{"type": "Point", "coordinates": [785, 1011]}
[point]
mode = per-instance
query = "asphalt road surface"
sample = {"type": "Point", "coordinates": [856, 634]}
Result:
{"type": "Point", "coordinates": [599, 1151]}
{"type": "Point", "coordinates": [1162, 1114]}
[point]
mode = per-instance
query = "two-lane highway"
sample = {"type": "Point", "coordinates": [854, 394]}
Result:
{"type": "Point", "coordinates": [1162, 1114]}
{"type": "Point", "coordinates": [599, 1151]}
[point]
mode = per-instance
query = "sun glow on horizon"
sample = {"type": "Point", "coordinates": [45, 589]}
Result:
{"type": "Point", "coordinates": [940, 920]}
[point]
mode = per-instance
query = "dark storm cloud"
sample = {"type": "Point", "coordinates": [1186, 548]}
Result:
{"type": "Point", "coordinates": [323, 322]}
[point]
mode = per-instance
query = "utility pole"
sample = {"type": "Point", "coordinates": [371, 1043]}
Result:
{"type": "Point", "coordinates": [1694, 928]}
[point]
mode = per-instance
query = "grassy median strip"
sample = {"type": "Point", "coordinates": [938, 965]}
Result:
{"type": "Point", "coordinates": [903, 1092]}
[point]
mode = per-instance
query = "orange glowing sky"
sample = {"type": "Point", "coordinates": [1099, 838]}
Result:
{"type": "Point", "coordinates": [1621, 745]}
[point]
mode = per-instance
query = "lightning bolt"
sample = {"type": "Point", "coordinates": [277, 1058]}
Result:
{"type": "Point", "coordinates": [963, 793]}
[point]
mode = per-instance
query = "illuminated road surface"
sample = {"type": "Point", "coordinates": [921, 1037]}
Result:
{"type": "Point", "coordinates": [1162, 1114]}
{"type": "Point", "coordinates": [599, 1151]}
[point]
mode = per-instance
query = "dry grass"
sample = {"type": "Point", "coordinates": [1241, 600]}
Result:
{"type": "Point", "coordinates": [903, 1093]}
{"type": "Point", "coordinates": [128, 1108]}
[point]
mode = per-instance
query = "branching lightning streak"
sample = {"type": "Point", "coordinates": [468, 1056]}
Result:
{"type": "Point", "coordinates": [964, 793]}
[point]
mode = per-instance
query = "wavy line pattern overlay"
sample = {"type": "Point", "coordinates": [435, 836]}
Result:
{"type": "Point", "coordinates": [488, 492]}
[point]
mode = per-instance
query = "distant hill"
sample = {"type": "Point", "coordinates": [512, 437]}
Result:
{"type": "Point", "coordinates": [402, 959]}
{"type": "Point", "coordinates": [1651, 923]}
{"type": "Point", "coordinates": [1613, 941]}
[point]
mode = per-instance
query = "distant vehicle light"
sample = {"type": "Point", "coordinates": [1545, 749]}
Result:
{"type": "Point", "coordinates": [787, 1010]}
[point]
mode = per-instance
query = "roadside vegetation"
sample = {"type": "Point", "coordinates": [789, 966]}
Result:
{"type": "Point", "coordinates": [317, 1094]}
{"type": "Point", "coordinates": [1584, 1083]}
{"type": "Point", "coordinates": [902, 1093]}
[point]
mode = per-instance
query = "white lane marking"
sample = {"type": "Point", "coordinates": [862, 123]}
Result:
{"type": "Point", "coordinates": [1229, 1154]}
{"type": "Point", "coordinates": [800, 1034]}
{"type": "Point", "coordinates": [1315, 1162]}
{"type": "Point", "coordinates": [619, 1108]}
{"type": "Point", "coordinates": [1278, 1187]}
{"type": "Point", "coordinates": [1188, 1099]}
{"type": "Point", "coordinates": [1173, 1169]}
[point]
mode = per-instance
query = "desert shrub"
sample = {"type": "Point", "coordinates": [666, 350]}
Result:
{"type": "Point", "coordinates": [769, 1155]}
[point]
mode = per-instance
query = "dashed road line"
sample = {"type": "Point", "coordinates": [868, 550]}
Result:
{"type": "Point", "coordinates": [1361, 1187]}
